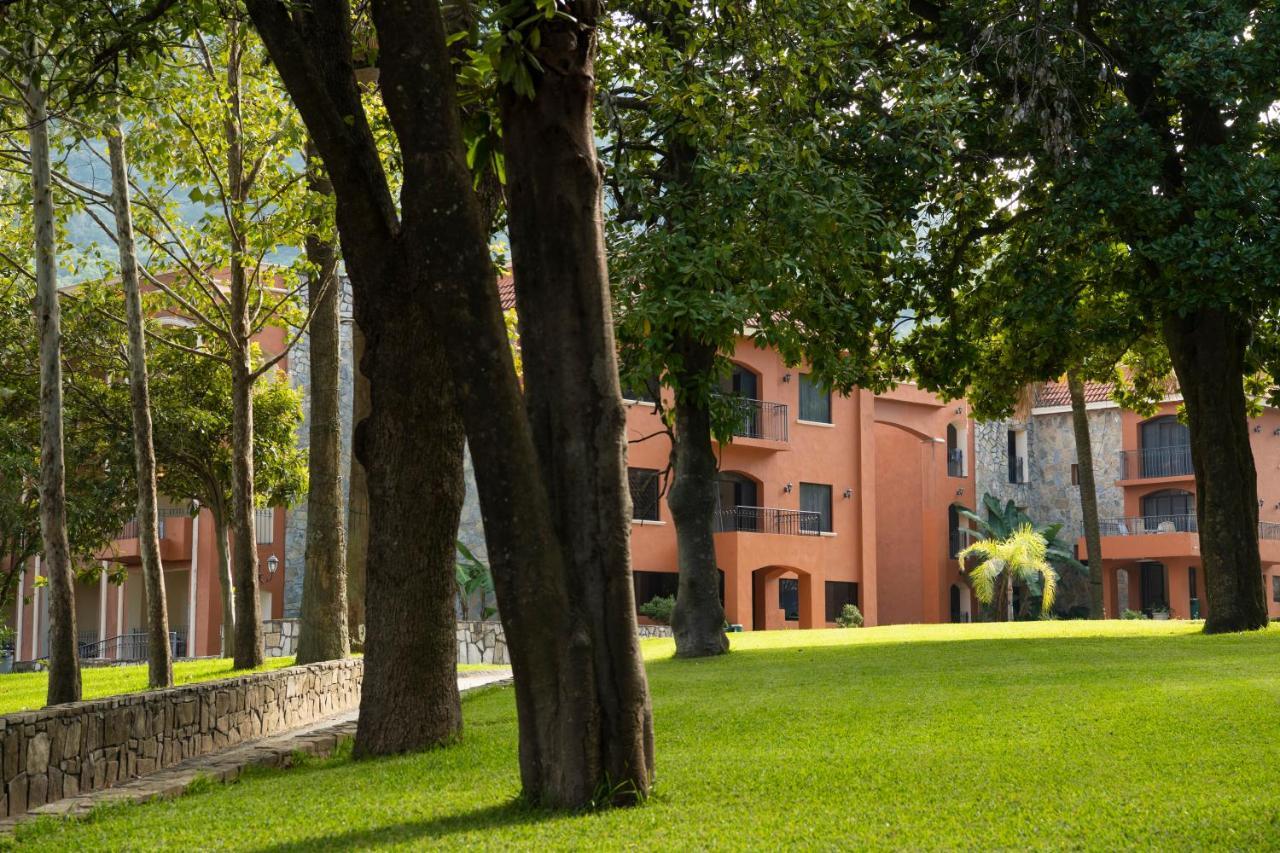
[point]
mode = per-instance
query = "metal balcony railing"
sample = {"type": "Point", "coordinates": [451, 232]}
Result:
{"type": "Point", "coordinates": [132, 646]}
{"type": "Point", "coordinates": [765, 519]}
{"type": "Point", "coordinates": [1151, 462]}
{"type": "Point", "coordinates": [130, 530]}
{"type": "Point", "coordinates": [1269, 531]}
{"type": "Point", "coordinates": [760, 419]}
{"type": "Point", "coordinates": [1142, 525]}
{"type": "Point", "coordinates": [955, 463]}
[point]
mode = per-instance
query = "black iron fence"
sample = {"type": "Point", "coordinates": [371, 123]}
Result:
{"type": "Point", "coordinates": [760, 419]}
{"type": "Point", "coordinates": [765, 519]}
{"type": "Point", "coordinates": [1154, 462]}
{"type": "Point", "coordinates": [132, 646]}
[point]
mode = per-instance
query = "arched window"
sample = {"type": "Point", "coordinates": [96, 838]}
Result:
{"type": "Point", "coordinates": [953, 530]}
{"type": "Point", "coordinates": [742, 382]}
{"type": "Point", "coordinates": [739, 502]}
{"type": "Point", "coordinates": [1170, 510]}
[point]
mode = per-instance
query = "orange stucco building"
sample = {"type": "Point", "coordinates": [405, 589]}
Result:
{"type": "Point", "coordinates": [1151, 554]}
{"type": "Point", "coordinates": [824, 500]}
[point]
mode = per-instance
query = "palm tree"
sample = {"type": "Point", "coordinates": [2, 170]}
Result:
{"type": "Point", "coordinates": [1020, 556]}
{"type": "Point", "coordinates": [1000, 523]}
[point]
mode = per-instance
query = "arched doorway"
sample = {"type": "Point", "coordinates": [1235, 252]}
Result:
{"type": "Point", "coordinates": [739, 498]}
{"type": "Point", "coordinates": [781, 597]}
{"type": "Point", "coordinates": [955, 603]}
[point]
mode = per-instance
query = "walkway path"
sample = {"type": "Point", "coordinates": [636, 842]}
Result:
{"type": "Point", "coordinates": [320, 738]}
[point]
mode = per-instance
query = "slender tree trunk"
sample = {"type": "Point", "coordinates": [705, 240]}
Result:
{"type": "Point", "coordinates": [410, 693]}
{"type": "Point", "coordinates": [244, 548]}
{"type": "Point", "coordinates": [357, 501]}
{"type": "Point", "coordinates": [226, 584]}
{"type": "Point", "coordinates": [1208, 352]}
{"type": "Point", "coordinates": [324, 586]}
{"type": "Point", "coordinates": [159, 660]}
{"type": "Point", "coordinates": [1088, 492]}
{"type": "Point", "coordinates": [698, 619]}
{"type": "Point", "coordinates": [64, 657]}
{"type": "Point", "coordinates": [576, 416]}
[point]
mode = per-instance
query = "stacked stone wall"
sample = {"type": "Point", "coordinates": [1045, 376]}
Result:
{"type": "Point", "coordinates": [66, 750]}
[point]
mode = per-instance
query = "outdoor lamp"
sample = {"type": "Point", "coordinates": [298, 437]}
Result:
{"type": "Point", "coordinates": [848, 493]}
{"type": "Point", "coordinates": [787, 488]}
{"type": "Point", "coordinates": [273, 563]}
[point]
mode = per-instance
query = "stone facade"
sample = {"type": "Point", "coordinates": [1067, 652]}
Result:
{"type": "Point", "coordinates": [1048, 496]}
{"type": "Point", "coordinates": [470, 527]}
{"type": "Point", "coordinates": [280, 637]}
{"type": "Point", "coordinates": [66, 750]}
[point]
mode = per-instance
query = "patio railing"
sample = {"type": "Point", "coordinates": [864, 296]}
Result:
{"type": "Point", "coordinates": [766, 519]}
{"type": "Point", "coordinates": [760, 419]}
{"type": "Point", "coordinates": [135, 645]}
{"type": "Point", "coordinates": [1154, 462]}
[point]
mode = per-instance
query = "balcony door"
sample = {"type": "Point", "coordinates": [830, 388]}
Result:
{"type": "Point", "coordinates": [1169, 510]}
{"type": "Point", "coordinates": [737, 490]}
{"type": "Point", "coordinates": [1166, 448]}
{"type": "Point", "coordinates": [1152, 588]}
{"type": "Point", "coordinates": [745, 385]}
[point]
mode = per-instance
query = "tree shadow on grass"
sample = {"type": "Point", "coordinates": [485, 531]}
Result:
{"type": "Point", "coordinates": [487, 818]}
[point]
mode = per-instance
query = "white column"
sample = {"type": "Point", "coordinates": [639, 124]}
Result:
{"type": "Point", "coordinates": [17, 645]}
{"type": "Point", "coordinates": [102, 605]}
{"type": "Point", "coordinates": [120, 616]}
{"type": "Point", "coordinates": [192, 577]}
{"type": "Point", "coordinates": [35, 614]}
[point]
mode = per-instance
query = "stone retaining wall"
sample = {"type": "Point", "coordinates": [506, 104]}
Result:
{"type": "Point", "coordinates": [484, 642]}
{"type": "Point", "coordinates": [280, 637]}
{"type": "Point", "coordinates": [65, 750]}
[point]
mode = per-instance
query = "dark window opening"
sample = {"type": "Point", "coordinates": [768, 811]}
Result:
{"type": "Point", "coordinates": [840, 593]}
{"type": "Point", "coordinates": [641, 391]}
{"type": "Point", "coordinates": [1275, 587]}
{"type": "Point", "coordinates": [789, 598]}
{"type": "Point", "coordinates": [816, 497]}
{"type": "Point", "coordinates": [742, 382]}
{"type": "Point", "coordinates": [644, 493]}
{"type": "Point", "coordinates": [1170, 508]}
{"type": "Point", "coordinates": [956, 615]}
{"type": "Point", "coordinates": [1191, 583]}
{"type": "Point", "coordinates": [651, 585]}
{"type": "Point", "coordinates": [815, 400]}
{"type": "Point", "coordinates": [1075, 474]}
{"type": "Point", "coordinates": [1017, 464]}
{"type": "Point", "coordinates": [953, 530]}
{"type": "Point", "coordinates": [955, 453]}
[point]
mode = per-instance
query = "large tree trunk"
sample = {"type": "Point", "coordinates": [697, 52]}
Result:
{"type": "Point", "coordinates": [576, 416]}
{"type": "Point", "coordinates": [226, 584]}
{"type": "Point", "coordinates": [357, 501]}
{"type": "Point", "coordinates": [410, 694]}
{"type": "Point", "coordinates": [324, 586]}
{"type": "Point", "coordinates": [1208, 351]}
{"type": "Point", "coordinates": [698, 619]}
{"type": "Point", "coordinates": [1088, 492]}
{"type": "Point", "coordinates": [159, 659]}
{"type": "Point", "coordinates": [64, 657]}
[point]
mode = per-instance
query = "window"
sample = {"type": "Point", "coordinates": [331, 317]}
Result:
{"type": "Point", "coordinates": [1018, 456]}
{"type": "Point", "coordinates": [1075, 474]}
{"type": "Point", "coordinates": [815, 497]}
{"type": "Point", "coordinates": [1166, 448]}
{"type": "Point", "coordinates": [644, 493]}
{"type": "Point", "coordinates": [1173, 509]}
{"type": "Point", "coordinates": [1191, 582]}
{"type": "Point", "coordinates": [953, 530]}
{"type": "Point", "coordinates": [640, 391]}
{"type": "Point", "coordinates": [955, 453]}
{"type": "Point", "coordinates": [815, 401]}
{"type": "Point", "coordinates": [650, 585]}
{"type": "Point", "coordinates": [789, 598]}
{"type": "Point", "coordinates": [840, 593]}
{"type": "Point", "coordinates": [1275, 587]}
{"type": "Point", "coordinates": [264, 523]}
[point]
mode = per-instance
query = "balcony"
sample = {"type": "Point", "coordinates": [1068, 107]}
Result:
{"type": "Point", "coordinates": [1156, 462]}
{"type": "Point", "coordinates": [173, 529]}
{"type": "Point", "coordinates": [955, 463]}
{"type": "Point", "coordinates": [760, 420]}
{"type": "Point", "coordinates": [765, 519]}
{"type": "Point", "coordinates": [1155, 537]}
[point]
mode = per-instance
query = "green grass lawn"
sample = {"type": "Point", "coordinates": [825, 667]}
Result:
{"type": "Point", "coordinates": [26, 691]}
{"type": "Point", "coordinates": [1046, 735]}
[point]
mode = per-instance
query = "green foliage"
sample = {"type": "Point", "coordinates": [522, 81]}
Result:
{"type": "Point", "coordinates": [471, 574]}
{"type": "Point", "coordinates": [1019, 556]}
{"type": "Point", "coordinates": [1123, 169]}
{"type": "Point", "coordinates": [1002, 521]}
{"type": "Point", "coordinates": [764, 162]}
{"type": "Point", "coordinates": [1133, 614]}
{"type": "Point", "coordinates": [850, 617]}
{"type": "Point", "coordinates": [659, 608]}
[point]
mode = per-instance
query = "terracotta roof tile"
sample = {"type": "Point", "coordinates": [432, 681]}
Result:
{"type": "Point", "coordinates": [1058, 394]}
{"type": "Point", "coordinates": [507, 292]}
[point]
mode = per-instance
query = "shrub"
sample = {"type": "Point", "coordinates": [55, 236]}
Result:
{"type": "Point", "coordinates": [850, 617]}
{"type": "Point", "coordinates": [1133, 614]}
{"type": "Point", "coordinates": [659, 608]}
